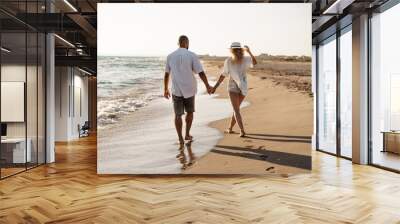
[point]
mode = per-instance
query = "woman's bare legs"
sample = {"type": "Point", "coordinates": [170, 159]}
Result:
{"type": "Point", "coordinates": [231, 124]}
{"type": "Point", "coordinates": [236, 101]}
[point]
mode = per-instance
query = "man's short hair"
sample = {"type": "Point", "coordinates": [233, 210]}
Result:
{"type": "Point", "coordinates": [183, 38]}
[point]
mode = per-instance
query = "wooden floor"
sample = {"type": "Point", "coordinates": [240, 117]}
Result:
{"type": "Point", "coordinates": [69, 191]}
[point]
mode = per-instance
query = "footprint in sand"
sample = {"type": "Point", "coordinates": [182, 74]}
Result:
{"type": "Point", "coordinates": [270, 168]}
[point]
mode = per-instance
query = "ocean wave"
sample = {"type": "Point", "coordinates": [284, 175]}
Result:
{"type": "Point", "coordinates": [126, 84]}
{"type": "Point", "coordinates": [110, 111]}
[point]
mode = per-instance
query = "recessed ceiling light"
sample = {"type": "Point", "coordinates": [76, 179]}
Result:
{"type": "Point", "coordinates": [70, 5]}
{"type": "Point", "coordinates": [5, 50]}
{"type": "Point", "coordinates": [84, 71]}
{"type": "Point", "coordinates": [338, 6]}
{"type": "Point", "coordinates": [64, 40]}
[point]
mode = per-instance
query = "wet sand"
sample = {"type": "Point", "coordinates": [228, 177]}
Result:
{"type": "Point", "coordinates": [145, 142]}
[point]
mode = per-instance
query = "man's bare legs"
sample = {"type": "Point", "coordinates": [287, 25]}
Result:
{"type": "Point", "coordinates": [178, 127]}
{"type": "Point", "coordinates": [189, 120]}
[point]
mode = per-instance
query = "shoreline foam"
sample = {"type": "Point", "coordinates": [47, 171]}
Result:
{"type": "Point", "coordinates": [144, 142]}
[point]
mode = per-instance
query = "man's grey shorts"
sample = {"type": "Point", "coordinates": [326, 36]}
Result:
{"type": "Point", "coordinates": [183, 104]}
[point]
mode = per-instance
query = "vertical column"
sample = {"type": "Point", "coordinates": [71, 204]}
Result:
{"type": "Point", "coordinates": [50, 92]}
{"type": "Point", "coordinates": [314, 91]}
{"type": "Point", "coordinates": [338, 91]}
{"type": "Point", "coordinates": [92, 100]}
{"type": "Point", "coordinates": [360, 89]}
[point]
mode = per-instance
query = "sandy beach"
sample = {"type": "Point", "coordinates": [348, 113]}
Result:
{"type": "Point", "coordinates": [277, 116]}
{"type": "Point", "coordinates": [278, 123]}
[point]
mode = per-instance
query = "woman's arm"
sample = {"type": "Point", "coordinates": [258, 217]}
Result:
{"type": "Point", "coordinates": [221, 78]}
{"type": "Point", "coordinates": [253, 59]}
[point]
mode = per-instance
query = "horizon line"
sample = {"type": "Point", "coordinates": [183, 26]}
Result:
{"type": "Point", "coordinates": [275, 55]}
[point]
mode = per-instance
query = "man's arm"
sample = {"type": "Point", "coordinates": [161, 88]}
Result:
{"type": "Point", "coordinates": [197, 68]}
{"type": "Point", "coordinates": [221, 78]}
{"type": "Point", "coordinates": [166, 81]}
{"type": "Point", "coordinates": [204, 79]}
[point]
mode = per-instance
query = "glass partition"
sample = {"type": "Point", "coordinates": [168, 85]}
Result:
{"type": "Point", "coordinates": [41, 97]}
{"type": "Point", "coordinates": [385, 89]}
{"type": "Point", "coordinates": [14, 153]}
{"type": "Point", "coordinates": [31, 97]}
{"type": "Point", "coordinates": [327, 95]}
{"type": "Point", "coordinates": [35, 57]}
{"type": "Point", "coordinates": [23, 90]}
{"type": "Point", "coordinates": [346, 93]}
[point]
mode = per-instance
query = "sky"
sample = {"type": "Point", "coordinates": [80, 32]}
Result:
{"type": "Point", "coordinates": [151, 29]}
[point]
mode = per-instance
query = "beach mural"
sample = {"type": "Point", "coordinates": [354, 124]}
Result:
{"type": "Point", "coordinates": [247, 97]}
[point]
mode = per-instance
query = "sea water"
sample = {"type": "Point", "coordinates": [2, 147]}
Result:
{"type": "Point", "coordinates": [126, 84]}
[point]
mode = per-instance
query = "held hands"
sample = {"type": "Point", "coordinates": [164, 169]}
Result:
{"type": "Point", "coordinates": [213, 89]}
{"type": "Point", "coordinates": [209, 89]}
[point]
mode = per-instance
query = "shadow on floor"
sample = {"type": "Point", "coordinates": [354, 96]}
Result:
{"type": "Point", "coordinates": [281, 158]}
{"type": "Point", "coordinates": [279, 138]}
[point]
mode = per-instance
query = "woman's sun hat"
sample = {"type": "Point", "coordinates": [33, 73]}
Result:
{"type": "Point", "coordinates": [236, 45]}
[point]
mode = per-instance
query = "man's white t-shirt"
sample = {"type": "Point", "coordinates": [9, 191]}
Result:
{"type": "Point", "coordinates": [237, 72]}
{"type": "Point", "coordinates": [182, 64]}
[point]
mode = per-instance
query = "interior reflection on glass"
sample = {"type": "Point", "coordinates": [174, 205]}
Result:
{"type": "Point", "coordinates": [327, 96]}
{"type": "Point", "coordinates": [346, 94]}
{"type": "Point", "coordinates": [385, 89]}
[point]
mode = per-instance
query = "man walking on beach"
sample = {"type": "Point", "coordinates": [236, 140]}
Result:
{"type": "Point", "coordinates": [182, 64]}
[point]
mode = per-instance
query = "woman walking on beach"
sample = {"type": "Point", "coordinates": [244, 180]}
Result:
{"type": "Point", "coordinates": [235, 67]}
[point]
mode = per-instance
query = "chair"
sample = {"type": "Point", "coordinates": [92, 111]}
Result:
{"type": "Point", "coordinates": [84, 130]}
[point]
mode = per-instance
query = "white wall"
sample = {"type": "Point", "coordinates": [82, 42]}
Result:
{"type": "Point", "coordinates": [70, 83]}
{"type": "Point", "coordinates": [79, 117]}
{"type": "Point", "coordinates": [62, 82]}
{"type": "Point", "coordinates": [12, 73]}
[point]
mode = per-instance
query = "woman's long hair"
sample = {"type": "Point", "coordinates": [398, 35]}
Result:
{"type": "Point", "coordinates": [237, 55]}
